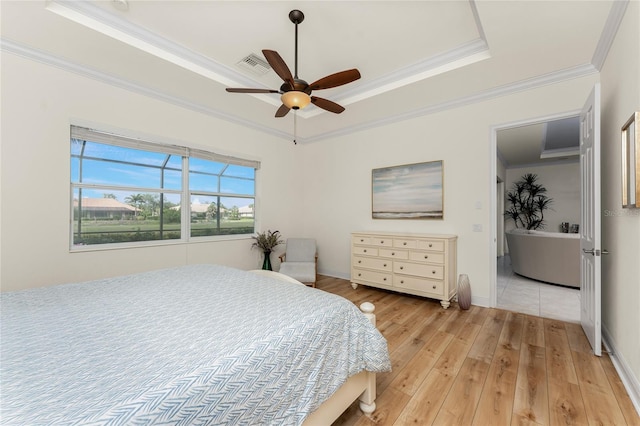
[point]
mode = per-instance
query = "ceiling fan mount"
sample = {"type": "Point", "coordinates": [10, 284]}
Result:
{"type": "Point", "coordinates": [296, 92]}
{"type": "Point", "coordinates": [296, 16]}
{"type": "Point", "coordinates": [298, 84]}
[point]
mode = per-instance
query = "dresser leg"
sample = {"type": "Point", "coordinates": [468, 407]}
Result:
{"type": "Point", "coordinates": [354, 285]}
{"type": "Point", "coordinates": [445, 303]}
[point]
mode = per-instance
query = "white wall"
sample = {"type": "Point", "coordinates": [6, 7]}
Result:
{"type": "Point", "coordinates": [620, 78]}
{"type": "Point", "coordinates": [338, 197]}
{"type": "Point", "coordinates": [563, 185]}
{"type": "Point", "coordinates": [38, 104]}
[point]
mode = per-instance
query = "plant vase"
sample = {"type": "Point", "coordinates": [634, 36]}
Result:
{"type": "Point", "coordinates": [266, 264]}
{"type": "Point", "coordinates": [464, 292]}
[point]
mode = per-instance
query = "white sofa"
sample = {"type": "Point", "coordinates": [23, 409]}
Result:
{"type": "Point", "coordinates": [552, 257]}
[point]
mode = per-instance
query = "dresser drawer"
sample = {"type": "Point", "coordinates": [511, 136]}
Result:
{"type": "Point", "coordinates": [381, 241]}
{"type": "Point", "coordinates": [433, 245]}
{"type": "Point", "coordinates": [426, 256]}
{"type": "Point", "coordinates": [359, 275]}
{"type": "Point", "coordinates": [419, 284]}
{"type": "Point", "coordinates": [372, 263]}
{"type": "Point", "coordinates": [394, 254]}
{"type": "Point", "coordinates": [361, 240]}
{"type": "Point", "coordinates": [365, 251]}
{"type": "Point", "coordinates": [405, 243]}
{"type": "Point", "coordinates": [427, 271]}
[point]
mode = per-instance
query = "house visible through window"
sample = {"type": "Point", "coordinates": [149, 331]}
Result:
{"type": "Point", "coordinates": [125, 190]}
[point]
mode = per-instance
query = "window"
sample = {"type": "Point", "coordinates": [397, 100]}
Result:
{"type": "Point", "coordinates": [126, 190]}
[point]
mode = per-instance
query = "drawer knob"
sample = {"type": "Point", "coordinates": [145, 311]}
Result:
{"type": "Point", "coordinates": [385, 265]}
{"type": "Point", "coordinates": [433, 272]}
{"type": "Point", "coordinates": [401, 268]}
{"type": "Point", "coordinates": [359, 261]}
{"type": "Point", "coordinates": [365, 250]}
{"type": "Point", "coordinates": [426, 257]}
{"type": "Point", "coordinates": [384, 279]}
{"type": "Point", "coordinates": [393, 254]}
{"type": "Point", "coordinates": [434, 287]}
{"type": "Point", "coordinates": [382, 242]}
{"type": "Point", "coordinates": [430, 245]}
{"type": "Point", "coordinates": [401, 281]}
{"type": "Point", "coordinates": [404, 244]}
{"type": "Point", "coordinates": [361, 240]}
{"type": "Point", "coordinates": [359, 275]}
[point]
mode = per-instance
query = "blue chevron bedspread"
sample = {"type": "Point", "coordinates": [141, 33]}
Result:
{"type": "Point", "coordinates": [192, 345]}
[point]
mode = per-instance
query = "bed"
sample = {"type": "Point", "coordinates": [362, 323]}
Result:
{"type": "Point", "coordinates": [198, 344]}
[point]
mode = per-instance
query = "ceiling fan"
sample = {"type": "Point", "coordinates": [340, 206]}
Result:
{"type": "Point", "coordinates": [296, 93]}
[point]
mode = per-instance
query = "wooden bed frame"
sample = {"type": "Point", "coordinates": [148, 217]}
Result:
{"type": "Point", "coordinates": [362, 386]}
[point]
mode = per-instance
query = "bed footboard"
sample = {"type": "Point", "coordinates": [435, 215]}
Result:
{"type": "Point", "coordinates": [362, 386]}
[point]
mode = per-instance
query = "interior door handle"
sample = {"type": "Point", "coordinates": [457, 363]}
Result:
{"type": "Point", "coordinates": [595, 252]}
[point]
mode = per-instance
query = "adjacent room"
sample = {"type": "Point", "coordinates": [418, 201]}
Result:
{"type": "Point", "coordinates": [161, 161]}
{"type": "Point", "coordinates": [540, 161]}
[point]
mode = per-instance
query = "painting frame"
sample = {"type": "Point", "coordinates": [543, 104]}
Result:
{"type": "Point", "coordinates": [408, 191]}
{"type": "Point", "coordinates": [630, 159]}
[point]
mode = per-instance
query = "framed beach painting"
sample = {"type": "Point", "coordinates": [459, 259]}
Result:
{"type": "Point", "coordinates": [411, 191]}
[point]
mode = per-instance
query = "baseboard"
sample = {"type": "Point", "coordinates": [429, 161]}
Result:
{"type": "Point", "coordinates": [630, 382]}
{"type": "Point", "coordinates": [480, 301]}
{"type": "Point", "coordinates": [334, 274]}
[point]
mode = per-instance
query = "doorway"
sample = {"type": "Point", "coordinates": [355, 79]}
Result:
{"type": "Point", "coordinates": [538, 144]}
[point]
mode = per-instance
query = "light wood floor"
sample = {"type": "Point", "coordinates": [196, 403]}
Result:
{"type": "Point", "coordinates": [486, 367]}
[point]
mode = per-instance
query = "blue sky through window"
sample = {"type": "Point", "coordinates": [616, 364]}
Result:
{"type": "Point", "coordinates": [123, 167]}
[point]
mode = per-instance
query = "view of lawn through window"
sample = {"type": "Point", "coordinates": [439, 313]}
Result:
{"type": "Point", "coordinates": [125, 190]}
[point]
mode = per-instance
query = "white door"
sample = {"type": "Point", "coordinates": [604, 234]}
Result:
{"type": "Point", "coordinates": [590, 253]}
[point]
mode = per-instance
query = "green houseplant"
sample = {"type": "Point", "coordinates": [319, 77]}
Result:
{"type": "Point", "coordinates": [527, 203]}
{"type": "Point", "coordinates": [266, 241]}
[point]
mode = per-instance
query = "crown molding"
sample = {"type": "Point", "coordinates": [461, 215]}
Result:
{"type": "Point", "coordinates": [572, 160]}
{"type": "Point", "coordinates": [112, 25]}
{"type": "Point", "coordinates": [64, 64]}
{"type": "Point", "coordinates": [465, 54]}
{"type": "Point", "coordinates": [84, 71]}
{"type": "Point", "coordinates": [95, 18]}
{"type": "Point", "coordinates": [523, 85]}
{"type": "Point", "coordinates": [473, 51]}
{"type": "Point", "coordinates": [609, 33]}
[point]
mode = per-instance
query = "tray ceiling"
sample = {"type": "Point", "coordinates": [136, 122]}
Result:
{"type": "Point", "coordinates": [415, 57]}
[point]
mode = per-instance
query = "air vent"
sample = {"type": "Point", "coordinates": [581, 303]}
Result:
{"type": "Point", "coordinates": [254, 64]}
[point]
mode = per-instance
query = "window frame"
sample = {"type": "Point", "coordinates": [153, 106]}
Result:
{"type": "Point", "coordinates": [185, 192]}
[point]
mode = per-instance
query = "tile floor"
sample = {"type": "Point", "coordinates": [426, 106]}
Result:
{"type": "Point", "coordinates": [520, 294]}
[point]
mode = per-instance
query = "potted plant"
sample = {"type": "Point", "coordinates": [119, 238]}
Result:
{"type": "Point", "coordinates": [266, 241]}
{"type": "Point", "coordinates": [528, 201]}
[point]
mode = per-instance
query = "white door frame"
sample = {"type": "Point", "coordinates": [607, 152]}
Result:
{"type": "Point", "coordinates": [493, 291]}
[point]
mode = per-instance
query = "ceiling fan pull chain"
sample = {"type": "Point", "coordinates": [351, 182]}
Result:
{"type": "Point", "coordinates": [295, 127]}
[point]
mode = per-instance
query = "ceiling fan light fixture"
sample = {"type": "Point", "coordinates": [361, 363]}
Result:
{"type": "Point", "coordinates": [295, 99]}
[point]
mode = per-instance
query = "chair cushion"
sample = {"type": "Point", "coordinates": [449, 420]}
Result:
{"type": "Point", "coordinates": [301, 250]}
{"type": "Point", "coordinates": [305, 272]}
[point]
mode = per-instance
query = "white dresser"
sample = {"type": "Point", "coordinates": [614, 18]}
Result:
{"type": "Point", "coordinates": [420, 264]}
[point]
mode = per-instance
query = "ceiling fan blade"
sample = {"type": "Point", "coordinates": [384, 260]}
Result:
{"type": "Point", "coordinates": [278, 65]}
{"type": "Point", "coordinates": [282, 111]}
{"type": "Point", "coordinates": [327, 104]}
{"type": "Point", "coordinates": [337, 79]}
{"type": "Point", "coordinates": [245, 90]}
